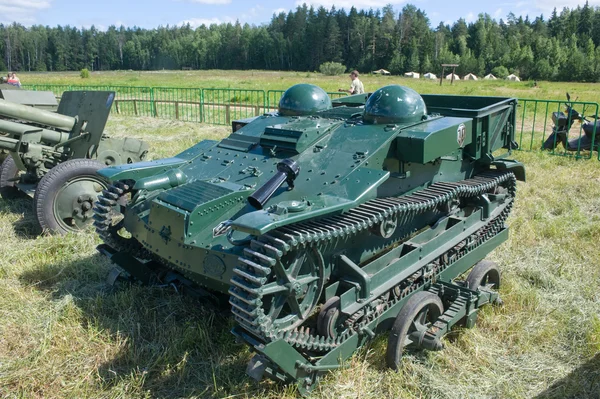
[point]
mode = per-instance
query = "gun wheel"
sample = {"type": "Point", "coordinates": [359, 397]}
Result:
{"type": "Point", "coordinates": [8, 172]}
{"type": "Point", "coordinates": [65, 197]}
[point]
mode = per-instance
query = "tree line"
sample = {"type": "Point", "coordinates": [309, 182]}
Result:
{"type": "Point", "coordinates": [563, 47]}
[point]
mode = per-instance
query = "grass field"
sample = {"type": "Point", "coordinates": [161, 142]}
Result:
{"type": "Point", "coordinates": [275, 80]}
{"type": "Point", "coordinates": [65, 334]}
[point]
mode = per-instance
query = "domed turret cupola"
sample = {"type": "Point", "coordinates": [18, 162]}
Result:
{"type": "Point", "coordinates": [395, 104]}
{"type": "Point", "coordinates": [304, 99]}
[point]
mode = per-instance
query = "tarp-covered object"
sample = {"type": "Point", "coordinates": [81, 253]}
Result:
{"type": "Point", "coordinates": [449, 77]}
{"type": "Point", "coordinates": [489, 76]}
{"type": "Point", "coordinates": [382, 72]}
{"type": "Point", "coordinates": [470, 76]}
{"type": "Point", "coordinates": [414, 75]}
{"type": "Point", "coordinates": [430, 75]}
{"type": "Point", "coordinates": [513, 77]}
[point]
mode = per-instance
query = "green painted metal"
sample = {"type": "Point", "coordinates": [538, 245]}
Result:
{"type": "Point", "coordinates": [304, 99]}
{"type": "Point", "coordinates": [322, 219]}
{"type": "Point", "coordinates": [536, 125]}
{"type": "Point", "coordinates": [44, 141]}
{"type": "Point", "coordinates": [395, 104]}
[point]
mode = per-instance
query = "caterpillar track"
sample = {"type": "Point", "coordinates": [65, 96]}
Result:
{"type": "Point", "coordinates": [263, 256]}
{"type": "Point", "coordinates": [104, 214]}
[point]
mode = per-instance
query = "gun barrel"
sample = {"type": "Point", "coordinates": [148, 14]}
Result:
{"type": "Point", "coordinates": [19, 129]}
{"type": "Point", "coordinates": [8, 144]}
{"type": "Point", "coordinates": [18, 111]}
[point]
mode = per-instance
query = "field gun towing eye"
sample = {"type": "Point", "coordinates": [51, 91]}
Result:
{"type": "Point", "coordinates": [287, 171]}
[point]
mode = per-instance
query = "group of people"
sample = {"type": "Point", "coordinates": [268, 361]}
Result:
{"type": "Point", "coordinates": [11, 79]}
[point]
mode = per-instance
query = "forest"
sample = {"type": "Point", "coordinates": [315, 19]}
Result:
{"type": "Point", "coordinates": [563, 47]}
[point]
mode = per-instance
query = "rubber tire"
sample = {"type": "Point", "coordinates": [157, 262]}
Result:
{"type": "Point", "coordinates": [8, 171]}
{"type": "Point", "coordinates": [478, 273]}
{"type": "Point", "coordinates": [52, 182]}
{"type": "Point", "coordinates": [407, 314]}
{"type": "Point", "coordinates": [327, 317]}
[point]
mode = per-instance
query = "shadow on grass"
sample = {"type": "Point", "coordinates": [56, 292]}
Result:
{"type": "Point", "coordinates": [27, 226]}
{"type": "Point", "coordinates": [164, 344]}
{"type": "Point", "coordinates": [584, 382]}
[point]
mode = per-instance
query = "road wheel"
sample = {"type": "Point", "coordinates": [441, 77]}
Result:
{"type": "Point", "coordinates": [418, 314]}
{"type": "Point", "coordinates": [484, 274]}
{"type": "Point", "coordinates": [9, 171]}
{"type": "Point", "coordinates": [65, 197]}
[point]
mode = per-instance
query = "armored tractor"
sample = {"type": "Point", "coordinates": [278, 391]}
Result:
{"type": "Point", "coordinates": [327, 223]}
{"type": "Point", "coordinates": [54, 157]}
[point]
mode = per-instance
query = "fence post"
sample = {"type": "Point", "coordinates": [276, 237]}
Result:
{"type": "Point", "coordinates": [201, 105]}
{"type": "Point", "coordinates": [153, 104]}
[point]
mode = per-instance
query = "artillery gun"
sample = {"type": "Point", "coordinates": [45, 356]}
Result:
{"type": "Point", "coordinates": [326, 223]}
{"type": "Point", "coordinates": [54, 157]}
{"type": "Point", "coordinates": [37, 99]}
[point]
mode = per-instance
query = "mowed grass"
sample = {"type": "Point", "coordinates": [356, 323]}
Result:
{"type": "Point", "coordinates": [277, 80]}
{"type": "Point", "coordinates": [65, 334]}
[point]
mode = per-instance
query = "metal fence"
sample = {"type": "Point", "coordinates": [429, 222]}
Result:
{"type": "Point", "coordinates": [535, 124]}
{"type": "Point", "coordinates": [212, 106]}
{"type": "Point", "coordinates": [221, 106]}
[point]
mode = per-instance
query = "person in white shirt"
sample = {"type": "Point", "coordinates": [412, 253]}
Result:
{"type": "Point", "coordinates": [356, 87]}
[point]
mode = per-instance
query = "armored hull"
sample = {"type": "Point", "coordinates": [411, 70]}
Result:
{"type": "Point", "coordinates": [322, 221]}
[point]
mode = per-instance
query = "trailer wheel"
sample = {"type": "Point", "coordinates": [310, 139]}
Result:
{"type": "Point", "coordinates": [418, 314]}
{"type": "Point", "coordinates": [8, 171]}
{"type": "Point", "coordinates": [484, 274]}
{"type": "Point", "coordinates": [65, 197]}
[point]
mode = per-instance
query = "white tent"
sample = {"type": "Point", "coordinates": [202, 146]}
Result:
{"type": "Point", "coordinates": [470, 76]}
{"type": "Point", "coordinates": [449, 77]}
{"type": "Point", "coordinates": [513, 77]}
{"type": "Point", "coordinates": [430, 75]}
{"type": "Point", "coordinates": [413, 75]}
{"type": "Point", "coordinates": [489, 76]}
{"type": "Point", "coordinates": [382, 72]}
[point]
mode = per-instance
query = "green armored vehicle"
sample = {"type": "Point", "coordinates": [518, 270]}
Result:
{"type": "Point", "coordinates": [54, 157]}
{"type": "Point", "coordinates": [327, 223]}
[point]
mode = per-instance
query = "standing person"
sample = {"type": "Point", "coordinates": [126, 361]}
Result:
{"type": "Point", "coordinates": [356, 87]}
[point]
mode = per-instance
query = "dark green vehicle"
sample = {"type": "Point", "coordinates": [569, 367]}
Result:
{"type": "Point", "coordinates": [54, 156]}
{"type": "Point", "coordinates": [327, 223]}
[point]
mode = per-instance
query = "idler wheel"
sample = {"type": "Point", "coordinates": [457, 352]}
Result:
{"type": "Point", "coordinates": [416, 316]}
{"type": "Point", "coordinates": [484, 274]}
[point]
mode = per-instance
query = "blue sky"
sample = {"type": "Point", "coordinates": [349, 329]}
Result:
{"type": "Point", "coordinates": [153, 13]}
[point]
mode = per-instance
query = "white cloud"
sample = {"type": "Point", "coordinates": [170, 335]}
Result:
{"type": "Point", "coordinates": [196, 22]}
{"type": "Point", "coordinates": [280, 10]}
{"type": "Point", "coordinates": [251, 13]}
{"type": "Point", "coordinates": [498, 13]}
{"type": "Point", "coordinates": [249, 16]}
{"type": "Point", "coordinates": [22, 11]}
{"type": "Point", "coordinates": [347, 4]}
{"type": "Point", "coordinates": [210, 1]}
{"type": "Point", "coordinates": [470, 17]}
